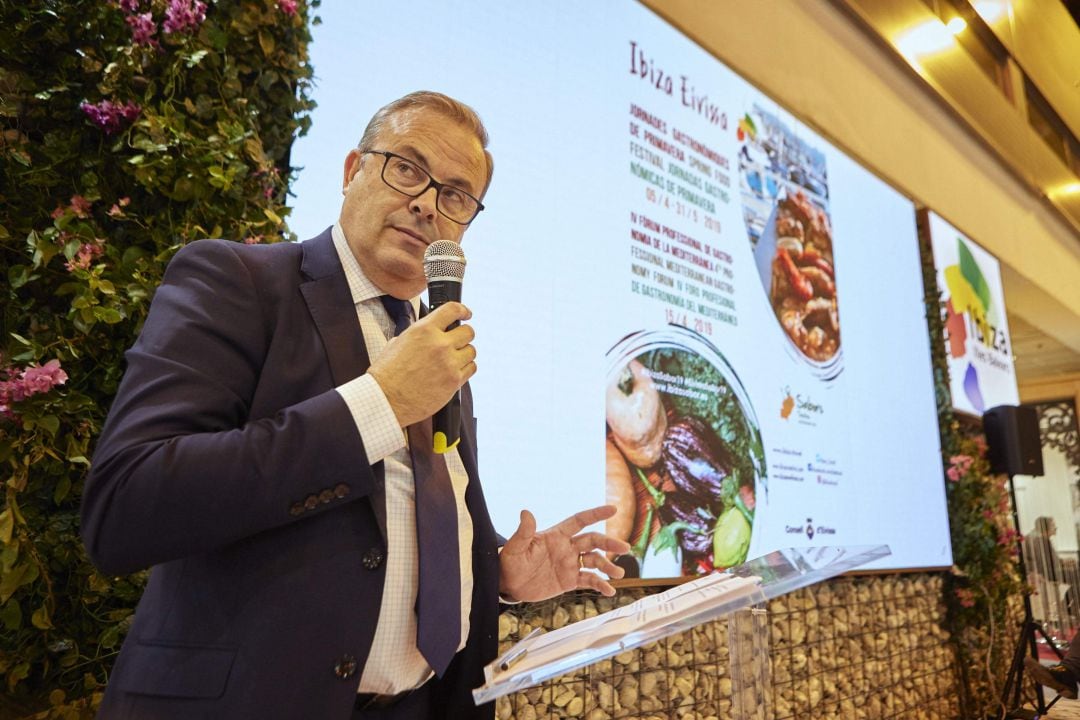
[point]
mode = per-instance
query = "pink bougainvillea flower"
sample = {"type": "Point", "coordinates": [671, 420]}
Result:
{"type": "Point", "coordinates": [80, 206]}
{"type": "Point", "coordinates": [110, 116]}
{"type": "Point", "coordinates": [966, 597]}
{"type": "Point", "coordinates": [86, 255]}
{"type": "Point", "coordinates": [143, 28]}
{"type": "Point", "coordinates": [117, 210]}
{"type": "Point", "coordinates": [129, 6]}
{"type": "Point", "coordinates": [43, 378]}
{"type": "Point", "coordinates": [11, 391]}
{"type": "Point", "coordinates": [184, 16]}
{"type": "Point", "coordinates": [962, 461]}
{"type": "Point", "coordinates": [32, 380]}
{"type": "Point", "coordinates": [287, 6]}
{"type": "Point", "coordinates": [953, 474]}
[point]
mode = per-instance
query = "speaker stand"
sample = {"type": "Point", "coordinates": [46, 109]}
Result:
{"type": "Point", "coordinates": [1025, 643]}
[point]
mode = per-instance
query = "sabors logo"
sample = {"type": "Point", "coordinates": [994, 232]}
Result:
{"type": "Point", "coordinates": [803, 403]}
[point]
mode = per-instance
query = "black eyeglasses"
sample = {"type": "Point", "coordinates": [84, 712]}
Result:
{"type": "Point", "coordinates": [410, 179]}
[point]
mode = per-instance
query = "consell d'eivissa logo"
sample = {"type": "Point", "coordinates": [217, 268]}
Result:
{"type": "Point", "coordinates": [971, 313]}
{"type": "Point", "coordinates": [809, 529]}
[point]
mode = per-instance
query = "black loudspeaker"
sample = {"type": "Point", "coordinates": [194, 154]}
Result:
{"type": "Point", "coordinates": [1012, 438]}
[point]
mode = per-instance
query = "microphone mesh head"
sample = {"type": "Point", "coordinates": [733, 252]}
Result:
{"type": "Point", "coordinates": [444, 260]}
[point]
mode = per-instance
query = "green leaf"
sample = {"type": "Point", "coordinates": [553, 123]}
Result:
{"type": "Point", "coordinates": [51, 423]}
{"type": "Point", "coordinates": [666, 538]}
{"type": "Point", "coordinates": [40, 619]}
{"type": "Point", "coordinates": [20, 338]}
{"type": "Point", "coordinates": [8, 556]}
{"type": "Point", "coordinates": [57, 697]}
{"type": "Point", "coordinates": [16, 578]}
{"type": "Point", "coordinates": [266, 42]}
{"type": "Point", "coordinates": [7, 525]}
{"type": "Point", "coordinates": [63, 487]}
{"type": "Point", "coordinates": [195, 58]}
{"type": "Point", "coordinates": [18, 673]}
{"type": "Point", "coordinates": [19, 275]}
{"type": "Point", "coordinates": [43, 248]}
{"type": "Point", "coordinates": [108, 314]}
{"type": "Point", "coordinates": [217, 37]}
{"type": "Point", "coordinates": [272, 216]}
{"type": "Point", "coordinates": [144, 143]}
{"type": "Point", "coordinates": [110, 637]}
{"type": "Point", "coordinates": [11, 615]}
{"type": "Point", "coordinates": [98, 583]}
{"type": "Point", "coordinates": [183, 189]}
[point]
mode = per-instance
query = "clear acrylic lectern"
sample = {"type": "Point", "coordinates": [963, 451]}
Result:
{"type": "Point", "coordinates": [738, 594]}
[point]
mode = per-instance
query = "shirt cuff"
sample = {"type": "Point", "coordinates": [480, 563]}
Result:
{"type": "Point", "coordinates": [374, 418]}
{"type": "Point", "coordinates": [505, 600]}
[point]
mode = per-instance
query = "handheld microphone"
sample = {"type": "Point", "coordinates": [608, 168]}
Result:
{"type": "Point", "coordinates": [444, 266]}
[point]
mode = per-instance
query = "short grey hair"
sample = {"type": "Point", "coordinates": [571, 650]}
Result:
{"type": "Point", "coordinates": [448, 107]}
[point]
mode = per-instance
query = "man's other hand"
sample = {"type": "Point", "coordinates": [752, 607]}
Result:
{"type": "Point", "coordinates": [538, 565]}
{"type": "Point", "coordinates": [421, 369]}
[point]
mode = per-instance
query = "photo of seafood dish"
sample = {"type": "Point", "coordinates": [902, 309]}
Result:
{"type": "Point", "coordinates": [785, 194]}
{"type": "Point", "coordinates": [803, 284]}
{"type": "Point", "coordinates": [684, 456]}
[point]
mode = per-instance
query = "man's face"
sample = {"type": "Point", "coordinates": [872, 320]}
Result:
{"type": "Point", "coordinates": [388, 231]}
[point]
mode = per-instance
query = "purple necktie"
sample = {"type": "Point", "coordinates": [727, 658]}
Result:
{"type": "Point", "coordinates": [438, 603]}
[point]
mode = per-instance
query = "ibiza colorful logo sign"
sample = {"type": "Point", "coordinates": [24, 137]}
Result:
{"type": "Point", "coordinates": [977, 337]}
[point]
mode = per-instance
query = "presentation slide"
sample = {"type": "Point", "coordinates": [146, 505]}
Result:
{"type": "Point", "coordinates": [687, 303]}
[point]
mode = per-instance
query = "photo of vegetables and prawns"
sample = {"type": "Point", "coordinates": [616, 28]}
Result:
{"type": "Point", "coordinates": [681, 466]}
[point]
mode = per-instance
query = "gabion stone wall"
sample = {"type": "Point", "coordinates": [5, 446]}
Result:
{"type": "Point", "coordinates": [851, 649]}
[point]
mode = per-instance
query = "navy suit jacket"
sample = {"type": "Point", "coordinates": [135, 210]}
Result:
{"type": "Point", "coordinates": [231, 467]}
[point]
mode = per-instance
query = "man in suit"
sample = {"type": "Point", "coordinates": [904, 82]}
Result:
{"type": "Point", "coordinates": [256, 457]}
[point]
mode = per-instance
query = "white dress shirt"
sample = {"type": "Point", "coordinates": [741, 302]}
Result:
{"type": "Point", "coordinates": [394, 663]}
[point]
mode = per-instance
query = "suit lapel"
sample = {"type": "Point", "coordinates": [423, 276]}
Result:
{"type": "Point", "coordinates": [328, 299]}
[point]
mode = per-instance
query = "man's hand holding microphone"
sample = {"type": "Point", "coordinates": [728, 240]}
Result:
{"type": "Point", "coordinates": [423, 368]}
{"type": "Point", "coordinates": [426, 374]}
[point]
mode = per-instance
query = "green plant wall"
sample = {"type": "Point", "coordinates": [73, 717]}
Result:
{"type": "Point", "coordinates": [129, 128]}
{"type": "Point", "coordinates": [983, 589]}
